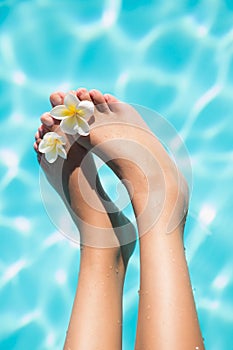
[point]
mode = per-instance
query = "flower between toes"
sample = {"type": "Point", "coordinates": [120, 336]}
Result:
{"type": "Point", "coordinates": [73, 115]}
{"type": "Point", "coordinates": [52, 146]}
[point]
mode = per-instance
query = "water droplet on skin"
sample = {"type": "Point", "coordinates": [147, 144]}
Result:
{"type": "Point", "coordinates": [117, 271]}
{"type": "Point", "coordinates": [107, 275]}
{"type": "Point", "coordinates": [197, 347]}
{"type": "Point", "coordinates": [148, 306]}
{"type": "Point", "coordinates": [148, 317]}
{"type": "Point", "coordinates": [111, 267]}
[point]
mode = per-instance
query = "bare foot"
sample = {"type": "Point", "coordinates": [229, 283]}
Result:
{"type": "Point", "coordinates": [76, 179]}
{"type": "Point", "coordinates": [119, 135]}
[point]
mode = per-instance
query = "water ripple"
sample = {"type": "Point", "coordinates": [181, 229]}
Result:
{"type": "Point", "coordinates": [174, 57]}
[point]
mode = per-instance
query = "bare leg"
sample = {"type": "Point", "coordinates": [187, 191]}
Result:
{"type": "Point", "coordinates": [167, 315]}
{"type": "Point", "coordinates": [97, 310]}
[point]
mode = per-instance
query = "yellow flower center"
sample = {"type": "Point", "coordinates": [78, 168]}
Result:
{"type": "Point", "coordinates": [53, 142]}
{"type": "Point", "coordinates": [73, 111]}
{"type": "Point", "coordinates": [80, 112]}
{"type": "Point", "coordinates": [58, 142]}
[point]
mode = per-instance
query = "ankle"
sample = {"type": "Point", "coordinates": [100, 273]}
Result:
{"type": "Point", "coordinates": [101, 259]}
{"type": "Point", "coordinates": [161, 213]}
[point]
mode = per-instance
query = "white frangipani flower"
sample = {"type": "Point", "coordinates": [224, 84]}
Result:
{"type": "Point", "coordinates": [52, 146]}
{"type": "Point", "coordinates": [73, 115]}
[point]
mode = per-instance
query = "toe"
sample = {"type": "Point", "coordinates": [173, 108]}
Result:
{"type": "Point", "coordinates": [47, 120]}
{"type": "Point", "coordinates": [99, 101]}
{"type": "Point", "coordinates": [113, 102]}
{"type": "Point", "coordinates": [110, 98]}
{"type": "Point", "coordinates": [57, 98]}
{"type": "Point", "coordinates": [83, 94]}
{"type": "Point", "coordinates": [35, 146]}
{"type": "Point", "coordinates": [37, 134]}
{"type": "Point", "coordinates": [41, 131]}
{"type": "Point", "coordinates": [38, 141]}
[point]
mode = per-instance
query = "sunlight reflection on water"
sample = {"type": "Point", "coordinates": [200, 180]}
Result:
{"type": "Point", "coordinates": [173, 57]}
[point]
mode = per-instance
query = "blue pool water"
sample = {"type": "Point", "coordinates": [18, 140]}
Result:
{"type": "Point", "coordinates": [175, 57]}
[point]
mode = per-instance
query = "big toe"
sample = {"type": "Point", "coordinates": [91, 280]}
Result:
{"type": "Point", "coordinates": [99, 101]}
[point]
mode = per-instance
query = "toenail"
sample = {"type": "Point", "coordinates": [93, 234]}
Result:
{"type": "Point", "coordinates": [81, 92]}
{"type": "Point", "coordinates": [93, 91]}
{"type": "Point", "coordinates": [94, 94]}
{"type": "Point", "coordinates": [57, 99]}
{"type": "Point", "coordinates": [47, 120]}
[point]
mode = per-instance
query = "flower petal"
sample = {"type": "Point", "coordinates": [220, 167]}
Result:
{"type": "Point", "coordinates": [83, 128]}
{"type": "Point", "coordinates": [61, 152]}
{"type": "Point", "coordinates": [87, 107]}
{"type": "Point", "coordinates": [69, 125]}
{"type": "Point", "coordinates": [51, 136]}
{"type": "Point", "coordinates": [60, 112]}
{"type": "Point", "coordinates": [44, 147]}
{"type": "Point", "coordinates": [62, 139]}
{"type": "Point", "coordinates": [71, 100]}
{"type": "Point", "coordinates": [51, 156]}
